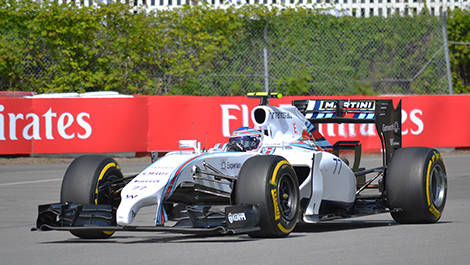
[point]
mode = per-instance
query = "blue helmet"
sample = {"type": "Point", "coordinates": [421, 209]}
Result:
{"type": "Point", "coordinates": [245, 138]}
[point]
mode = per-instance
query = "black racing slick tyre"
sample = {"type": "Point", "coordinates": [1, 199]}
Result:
{"type": "Point", "coordinates": [88, 181]}
{"type": "Point", "coordinates": [270, 183]}
{"type": "Point", "coordinates": [416, 185]}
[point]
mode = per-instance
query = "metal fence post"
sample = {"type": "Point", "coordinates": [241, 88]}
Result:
{"type": "Point", "coordinates": [446, 52]}
{"type": "Point", "coordinates": [265, 51]}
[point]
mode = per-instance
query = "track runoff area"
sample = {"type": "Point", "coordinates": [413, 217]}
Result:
{"type": "Point", "coordinates": [375, 239]}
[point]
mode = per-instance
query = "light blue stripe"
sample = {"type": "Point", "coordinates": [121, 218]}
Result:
{"type": "Point", "coordinates": [158, 219]}
{"type": "Point", "coordinates": [324, 143]}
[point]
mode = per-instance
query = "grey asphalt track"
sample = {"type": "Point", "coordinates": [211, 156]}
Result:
{"type": "Point", "coordinates": [374, 239]}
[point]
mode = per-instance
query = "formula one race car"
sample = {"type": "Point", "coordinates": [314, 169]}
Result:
{"type": "Point", "coordinates": [262, 182]}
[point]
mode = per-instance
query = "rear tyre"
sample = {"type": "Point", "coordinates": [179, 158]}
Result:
{"type": "Point", "coordinates": [88, 181]}
{"type": "Point", "coordinates": [271, 183]}
{"type": "Point", "coordinates": [416, 185]}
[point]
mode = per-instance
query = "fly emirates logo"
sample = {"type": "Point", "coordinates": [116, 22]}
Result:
{"type": "Point", "coordinates": [412, 123]}
{"type": "Point", "coordinates": [32, 126]}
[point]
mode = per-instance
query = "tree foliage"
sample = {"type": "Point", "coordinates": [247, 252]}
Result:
{"type": "Point", "coordinates": [47, 47]}
{"type": "Point", "coordinates": [458, 31]}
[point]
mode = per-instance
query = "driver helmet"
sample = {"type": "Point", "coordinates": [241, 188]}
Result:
{"type": "Point", "coordinates": [246, 138]}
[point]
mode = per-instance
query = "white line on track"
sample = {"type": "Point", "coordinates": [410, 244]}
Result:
{"type": "Point", "coordinates": [29, 182]}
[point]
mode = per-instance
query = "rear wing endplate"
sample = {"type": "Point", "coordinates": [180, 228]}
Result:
{"type": "Point", "coordinates": [381, 112]}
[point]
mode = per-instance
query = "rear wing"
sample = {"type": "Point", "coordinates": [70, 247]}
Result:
{"type": "Point", "coordinates": [381, 112]}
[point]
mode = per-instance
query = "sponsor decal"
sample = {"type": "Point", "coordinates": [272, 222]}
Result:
{"type": "Point", "coordinates": [277, 213]}
{"type": "Point", "coordinates": [236, 217]}
{"type": "Point", "coordinates": [361, 105]}
{"type": "Point", "coordinates": [139, 187]}
{"type": "Point", "coordinates": [158, 171]}
{"type": "Point", "coordinates": [229, 166]}
{"type": "Point", "coordinates": [146, 181]}
{"type": "Point", "coordinates": [411, 124]}
{"type": "Point", "coordinates": [278, 115]}
{"type": "Point", "coordinates": [273, 181]}
{"type": "Point", "coordinates": [431, 208]}
{"type": "Point", "coordinates": [155, 173]}
{"type": "Point", "coordinates": [337, 162]}
{"type": "Point", "coordinates": [393, 143]}
{"type": "Point", "coordinates": [395, 127]}
{"type": "Point", "coordinates": [268, 150]}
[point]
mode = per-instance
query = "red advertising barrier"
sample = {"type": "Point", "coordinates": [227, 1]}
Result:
{"type": "Point", "coordinates": [72, 125]}
{"type": "Point", "coordinates": [156, 123]}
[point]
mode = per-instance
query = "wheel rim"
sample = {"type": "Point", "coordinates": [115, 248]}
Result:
{"type": "Point", "coordinates": [107, 193]}
{"type": "Point", "coordinates": [287, 197]}
{"type": "Point", "coordinates": [438, 186]}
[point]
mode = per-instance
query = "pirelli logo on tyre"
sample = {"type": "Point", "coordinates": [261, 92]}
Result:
{"type": "Point", "coordinates": [430, 174]}
{"type": "Point", "coordinates": [274, 194]}
{"type": "Point", "coordinates": [277, 214]}
{"type": "Point", "coordinates": [274, 186]}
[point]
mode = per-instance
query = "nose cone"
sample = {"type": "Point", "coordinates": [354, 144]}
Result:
{"type": "Point", "coordinates": [125, 215]}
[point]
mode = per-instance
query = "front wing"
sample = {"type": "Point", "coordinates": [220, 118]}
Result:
{"type": "Point", "coordinates": [236, 219]}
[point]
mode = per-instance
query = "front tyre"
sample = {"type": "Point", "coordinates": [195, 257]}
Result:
{"type": "Point", "coordinates": [88, 180]}
{"type": "Point", "coordinates": [416, 185]}
{"type": "Point", "coordinates": [271, 183]}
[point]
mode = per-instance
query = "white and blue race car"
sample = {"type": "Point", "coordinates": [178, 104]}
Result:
{"type": "Point", "coordinates": [262, 182]}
